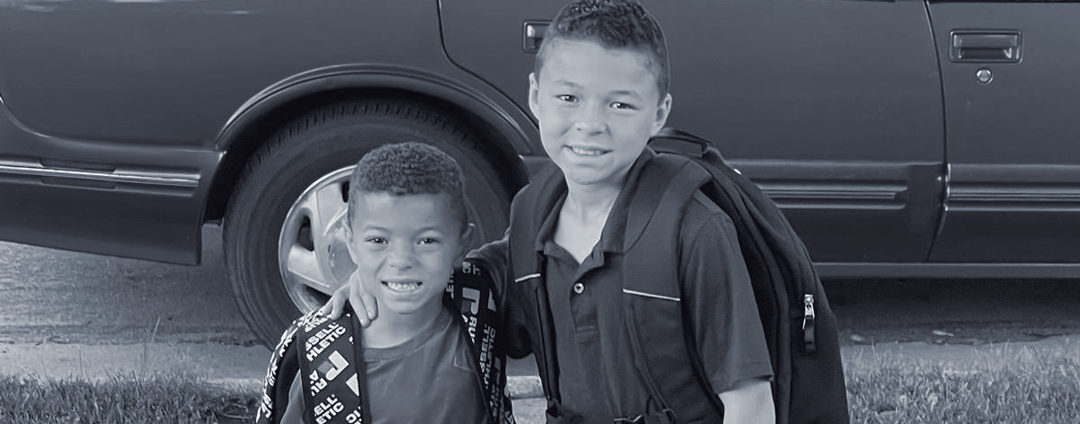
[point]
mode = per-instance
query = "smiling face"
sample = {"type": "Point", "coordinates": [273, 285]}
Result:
{"type": "Point", "coordinates": [405, 248]}
{"type": "Point", "coordinates": [597, 108]}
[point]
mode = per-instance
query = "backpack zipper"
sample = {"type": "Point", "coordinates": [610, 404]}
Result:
{"type": "Point", "coordinates": [808, 324]}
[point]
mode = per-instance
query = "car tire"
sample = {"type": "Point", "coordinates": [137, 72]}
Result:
{"type": "Point", "coordinates": [283, 242]}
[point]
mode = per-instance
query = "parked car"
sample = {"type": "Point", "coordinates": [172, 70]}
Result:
{"type": "Point", "coordinates": [902, 138]}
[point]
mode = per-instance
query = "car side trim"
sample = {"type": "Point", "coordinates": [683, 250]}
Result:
{"type": "Point", "coordinates": [118, 175]}
{"type": "Point", "coordinates": [867, 270]}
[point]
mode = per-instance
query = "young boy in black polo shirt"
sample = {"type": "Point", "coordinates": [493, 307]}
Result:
{"type": "Point", "coordinates": [599, 91]}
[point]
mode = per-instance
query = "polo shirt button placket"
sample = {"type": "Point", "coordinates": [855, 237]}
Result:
{"type": "Point", "coordinates": [578, 288]}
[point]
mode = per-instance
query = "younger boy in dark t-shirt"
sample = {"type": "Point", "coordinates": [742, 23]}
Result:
{"type": "Point", "coordinates": [407, 229]}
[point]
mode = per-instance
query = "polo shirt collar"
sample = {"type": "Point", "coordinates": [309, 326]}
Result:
{"type": "Point", "coordinates": [611, 239]}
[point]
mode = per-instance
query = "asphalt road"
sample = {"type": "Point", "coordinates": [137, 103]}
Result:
{"type": "Point", "coordinates": [64, 297]}
{"type": "Point", "coordinates": [49, 295]}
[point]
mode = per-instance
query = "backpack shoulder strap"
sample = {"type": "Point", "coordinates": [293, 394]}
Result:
{"type": "Point", "coordinates": [527, 214]}
{"type": "Point", "coordinates": [279, 377]}
{"type": "Point", "coordinates": [320, 350]}
{"type": "Point", "coordinates": [652, 298]}
{"type": "Point", "coordinates": [665, 186]}
{"type": "Point", "coordinates": [331, 369]}
{"type": "Point", "coordinates": [545, 189]}
{"type": "Point", "coordinates": [472, 293]}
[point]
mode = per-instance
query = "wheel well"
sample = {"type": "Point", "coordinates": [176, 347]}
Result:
{"type": "Point", "coordinates": [500, 153]}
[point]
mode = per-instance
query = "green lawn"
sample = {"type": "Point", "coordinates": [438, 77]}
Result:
{"type": "Point", "coordinates": [1007, 385]}
{"type": "Point", "coordinates": [1010, 385]}
{"type": "Point", "coordinates": [124, 399]}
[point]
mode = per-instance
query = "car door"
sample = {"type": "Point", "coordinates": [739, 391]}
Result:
{"type": "Point", "coordinates": [833, 107]}
{"type": "Point", "coordinates": [1013, 139]}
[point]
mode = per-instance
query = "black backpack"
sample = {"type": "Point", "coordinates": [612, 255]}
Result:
{"type": "Point", "coordinates": [800, 328]}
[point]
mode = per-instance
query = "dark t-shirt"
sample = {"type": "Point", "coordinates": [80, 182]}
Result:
{"type": "Point", "coordinates": [597, 377]}
{"type": "Point", "coordinates": [429, 379]}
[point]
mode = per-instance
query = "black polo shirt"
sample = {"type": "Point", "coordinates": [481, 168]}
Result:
{"type": "Point", "coordinates": [597, 377]}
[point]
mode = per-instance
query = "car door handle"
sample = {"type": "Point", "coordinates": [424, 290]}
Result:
{"type": "Point", "coordinates": [985, 46]}
{"type": "Point", "coordinates": [533, 35]}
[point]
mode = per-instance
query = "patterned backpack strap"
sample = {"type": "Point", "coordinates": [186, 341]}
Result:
{"type": "Point", "coordinates": [329, 370]}
{"type": "Point", "coordinates": [472, 294]}
{"type": "Point", "coordinates": [266, 413]}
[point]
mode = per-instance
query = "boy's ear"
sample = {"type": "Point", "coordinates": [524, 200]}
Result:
{"type": "Point", "coordinates": [349, 243]}
{"type": "Point", "coordinates": [534, 94]}
{"type": "Point", "coordinates": [662, 112]}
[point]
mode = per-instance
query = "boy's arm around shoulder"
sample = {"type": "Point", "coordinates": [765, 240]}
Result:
{"type": "Point", "coordinates": [494, 257]}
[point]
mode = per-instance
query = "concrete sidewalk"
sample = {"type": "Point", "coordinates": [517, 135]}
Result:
{"type": "Point", "coordinates": [245, 367]}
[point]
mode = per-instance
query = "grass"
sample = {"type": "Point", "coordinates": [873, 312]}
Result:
{"type": "Point", "coordinates": [1005, 385]}
{"type": "Point", "coordinates": [1008, 385]}
{"type": "Point", "coordinates": [122, 399]}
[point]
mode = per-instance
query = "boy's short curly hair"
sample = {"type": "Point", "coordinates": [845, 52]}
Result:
{"type": "Point", "coordinates": [612, 24]}
{"type": "Point", "coordinates": [409, 168]}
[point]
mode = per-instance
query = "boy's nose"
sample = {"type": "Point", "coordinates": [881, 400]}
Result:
{"type": "Point", "coordinates": [590, 120]}
{"type": "Point", "coordinates": [400, 257]}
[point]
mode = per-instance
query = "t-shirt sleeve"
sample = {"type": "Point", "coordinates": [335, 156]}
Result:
{"type": "Point", "coordinates": [716, 284]}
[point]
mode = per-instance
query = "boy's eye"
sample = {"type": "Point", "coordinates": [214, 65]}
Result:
{"type": "Point", "coordinates": [375, 240]}
{"type": "Point", "coordinates": [428, 240]}
{"type": "Point", "coordinates": [566, 98]}
{"type": "Point", "coordinates": [621, 105]}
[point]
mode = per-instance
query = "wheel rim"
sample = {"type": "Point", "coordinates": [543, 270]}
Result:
{"type": "Point", "coordinates": [312, 248]}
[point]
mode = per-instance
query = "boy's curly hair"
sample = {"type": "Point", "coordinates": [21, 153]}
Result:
{"type": "Point", "coordinates": [409, 168]}
{"type": "Point", "coordinates": [612, 24]}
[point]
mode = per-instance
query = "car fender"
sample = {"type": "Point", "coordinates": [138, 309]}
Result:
{"type": "Point", "coordinates": [513, 131]}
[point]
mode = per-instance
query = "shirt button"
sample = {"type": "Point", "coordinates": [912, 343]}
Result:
{"type": "Point", "coordinates": [578, 288]}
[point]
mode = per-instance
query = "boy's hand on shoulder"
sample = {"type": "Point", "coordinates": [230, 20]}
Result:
{"type": "Point", "coordinates": [363, 303]}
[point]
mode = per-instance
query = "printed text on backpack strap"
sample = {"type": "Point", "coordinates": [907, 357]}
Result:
{"type": "Point", "coordinates": [266, 413]}
{"type": "Point", "coordinates": [472, 293]}
{"type": "Point", "coordinates": [331, 370]}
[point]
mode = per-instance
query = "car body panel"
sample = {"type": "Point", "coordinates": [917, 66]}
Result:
{"type": "Point", "coordinates": [125, 125]}
{"type": "Point", "coordinates": [108, 88]}
{"type": "Point", "coordinates": [170, 71]}
{"type": "Point", "coordinates": [833, 107]}
{"type": "Point", "coordinates": [1014, 142]}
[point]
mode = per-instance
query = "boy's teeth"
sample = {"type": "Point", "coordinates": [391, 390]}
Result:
{"type": "Point", "coordinates": [402, 287]}
{"type": "Point", "coordinates": [586, 152]}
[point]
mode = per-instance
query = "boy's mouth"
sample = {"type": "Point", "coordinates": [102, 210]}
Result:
{"type": "Point", "coordinates": [403, 286]}
{"type": "Point", "coordinates": [584, 151]}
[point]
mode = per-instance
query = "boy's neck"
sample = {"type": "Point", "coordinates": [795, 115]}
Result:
{"type": "Point", "coordinates": [391, 329]}
{"type": "Point", "coordinates": [583, 217]}
{"type": "Point", "coordinates": [590, 203]}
